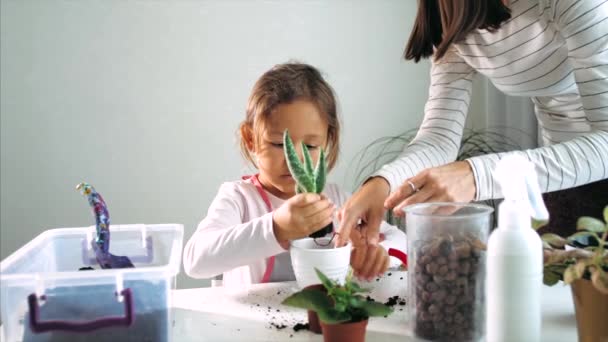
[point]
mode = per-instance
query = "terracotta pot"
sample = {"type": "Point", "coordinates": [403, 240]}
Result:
{"type": "Point", "coordinates": [313, 320]}
{"type": "Point", "coordinates": [591, 308]}
{"type": "Point", "coordinates": [351, 332]}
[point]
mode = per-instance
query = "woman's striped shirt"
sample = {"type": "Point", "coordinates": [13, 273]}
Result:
{"type": "Point", "coordinates": [553, 51]}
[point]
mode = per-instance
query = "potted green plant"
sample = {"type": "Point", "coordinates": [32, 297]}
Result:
{"type": "Point", "coordinates": [581, 260]}
{"type": "Point", "coordinates": [343, 311]}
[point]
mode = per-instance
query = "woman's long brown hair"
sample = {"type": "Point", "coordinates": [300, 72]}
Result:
{"type": "Point", "coordinates": [439, 23]}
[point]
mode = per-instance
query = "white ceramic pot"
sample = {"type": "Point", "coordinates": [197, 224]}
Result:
{"type": "Point", "coordinates": [306, 255]}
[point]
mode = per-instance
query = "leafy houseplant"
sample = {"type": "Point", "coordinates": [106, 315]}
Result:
{"type": "Point", "coordinates": [584, 265]}
{"type": "Point", "coordinates": [307, 177]}
{"type": "Point", "coordinates": [340, 307]}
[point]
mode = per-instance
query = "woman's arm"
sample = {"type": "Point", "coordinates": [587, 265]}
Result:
{"type": "Point", "coordinates": [222, 241]}
{"type": "Point", "coordinates": [438, 139]}
{"type": "Point", "coordinates": [436, 143]}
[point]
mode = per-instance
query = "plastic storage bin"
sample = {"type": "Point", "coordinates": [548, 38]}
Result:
{"type": "Point", "coordinates": [46, 298]}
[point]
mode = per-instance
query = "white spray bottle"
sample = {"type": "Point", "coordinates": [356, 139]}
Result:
{"type": "Point", "coordinates": [514, 273]}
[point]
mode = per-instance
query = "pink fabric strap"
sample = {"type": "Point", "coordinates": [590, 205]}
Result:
{"type": "Point", "coordinates": [258, 185]}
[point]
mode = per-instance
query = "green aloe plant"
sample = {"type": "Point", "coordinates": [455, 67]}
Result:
{"type": "Point", "coordinates": [308, 178]}
{"type": "Point", "coordinates": [341, 303]}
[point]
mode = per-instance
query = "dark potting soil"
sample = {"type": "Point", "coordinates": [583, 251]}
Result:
{"type": "Point", "coordinates": [301, 326]}
{"type": "Point", "coordinates": [86, 303]}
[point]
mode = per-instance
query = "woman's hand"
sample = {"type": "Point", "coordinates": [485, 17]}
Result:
{"type": "Point", "coordinates": [363, 211]}
{"type": "Point", "coordinates": [300, 216]}
{"type": "Point", "coordinates": [453, 182]}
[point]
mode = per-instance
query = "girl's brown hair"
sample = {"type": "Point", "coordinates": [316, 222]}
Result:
{"type": "Point", "coordinates": [439, 23]}
{"type": "Point", "coordinates": [283, 84]}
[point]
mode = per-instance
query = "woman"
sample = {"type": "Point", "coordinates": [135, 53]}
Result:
{"type": "Point", "coordinates": [554, 51]}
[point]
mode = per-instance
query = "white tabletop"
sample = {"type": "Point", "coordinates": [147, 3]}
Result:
{"type": "Point", "coordinates": [253, 314]}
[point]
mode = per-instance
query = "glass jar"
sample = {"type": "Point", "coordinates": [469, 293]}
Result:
{"type": "Point", "coordinates": [446, 252]}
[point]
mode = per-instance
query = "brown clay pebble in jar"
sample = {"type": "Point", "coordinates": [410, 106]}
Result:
{"type": "Point", "coordinates": [446, 275]}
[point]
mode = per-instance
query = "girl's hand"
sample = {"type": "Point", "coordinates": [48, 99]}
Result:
{"type": "Point", "coordinates": [364, 211]}
{"type": "Point", "coordinates": [367, 260]}
{"type": "Point", "coordinates": [300, 216]}
{"type": "Point", "coordinates": [453, 182]}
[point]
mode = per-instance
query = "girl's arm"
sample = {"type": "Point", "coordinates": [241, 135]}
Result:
{"type": "Point", "coordinates": [222, 241]}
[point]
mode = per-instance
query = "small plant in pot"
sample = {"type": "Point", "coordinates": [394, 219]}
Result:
{"type": "Point", "coordinates": [343, 311]}
{"type": "Point", "coordinates": [581, 260]}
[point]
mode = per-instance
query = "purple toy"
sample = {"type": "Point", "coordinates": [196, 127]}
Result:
{"type": "Point", "coordinates": [101, 245]}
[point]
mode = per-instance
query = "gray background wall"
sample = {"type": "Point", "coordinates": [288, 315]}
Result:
{"type": "Point", "coordinates": [142, 98]}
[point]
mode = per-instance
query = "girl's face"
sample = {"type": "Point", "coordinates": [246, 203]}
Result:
{"type": "Point", "coordinates": [305, 124]}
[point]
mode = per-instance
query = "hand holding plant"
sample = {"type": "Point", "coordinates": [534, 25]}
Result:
{"type": "Point", "coordinates": [301, 216]}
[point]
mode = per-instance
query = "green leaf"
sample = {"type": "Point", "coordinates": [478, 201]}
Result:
{"type": "Point", "coordinates": [331, 316]}
{"type": "Point", "coordinates": [294, 164]}
{"type": "Point", "coordinates": [307, 159]}
{"type": "Point", "coordinates": [580, 267]}
{"type": "Point", "coordinates": [571, 274]}
{"type": "Point", "coordinates": [551, 278]}
{"type": "Point", "coordinates": [583, 234]}
{"type": "Point", "coordinates": [537, 224]}
{"type": "Point", "coordinates": [340, 307]}
{"type": "Point", "coordinates": [606, 214]}
{"type": "Point", "coordinates": [599, 278]}
{"type": "Point", "coordinates": [324, 280]}
{"type": "Point", "coordinates": [340, 292]}
{"type": "Point", "coordinates": [320, 173]}
{"type": "Point", "coordinates": [355, 288]}
{"type": "Point", "coordinates": [376, 309]}
{"type": "Point", "coordinates": [590, 224]}
{"type": "Point", "coordinates": [554, 240]}
{"type": "Point", "coordinates": [311, 299]}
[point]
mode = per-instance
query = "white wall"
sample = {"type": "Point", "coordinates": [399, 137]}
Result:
{"type": "Point", "coordinates": [142, 98]}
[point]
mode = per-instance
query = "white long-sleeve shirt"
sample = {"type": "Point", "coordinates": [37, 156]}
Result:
{"type": "Point", "coordinates": [236, 237]}
{"type": "Point", "coordinates": [554, 51]}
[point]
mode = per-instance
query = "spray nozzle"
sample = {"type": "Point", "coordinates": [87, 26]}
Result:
{"type": "Point", "coordinates": [519, 183]}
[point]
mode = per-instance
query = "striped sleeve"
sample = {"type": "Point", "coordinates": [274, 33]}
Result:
{"type": "Point", "coordinates": [438, 138]}
{"type": "Point", "coordinates": [584, 159]}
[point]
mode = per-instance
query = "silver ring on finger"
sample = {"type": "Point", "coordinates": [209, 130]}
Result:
{"type": "Point", "coordinates": [414, 188]}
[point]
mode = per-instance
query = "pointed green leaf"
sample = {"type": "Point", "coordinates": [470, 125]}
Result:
{"type": "Point", "coordinates": [606, 214]}
{"type": "Point", "coordinates": [376, 309]}
{"type": "Point", "coordinates": [294, 164]}
{"type": "Point", "coordinates": [320, 173]}
{"type": "Point", "coordinates": [554, 240]}
{"type": "Point", "coordinates": [590, 224]}
{"type": "Point", "coordinates": [307, 159]}
{"type": "Point", "coordinates": [324, 280]}
{"type": "Point", "coordinates": [308, 299]}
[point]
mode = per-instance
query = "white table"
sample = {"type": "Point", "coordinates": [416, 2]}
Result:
{"type": "Point", "coordinates": [221, 314]}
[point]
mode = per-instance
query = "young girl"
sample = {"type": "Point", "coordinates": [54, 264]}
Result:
{"type": "Point", "coordinates": [249, 224]}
